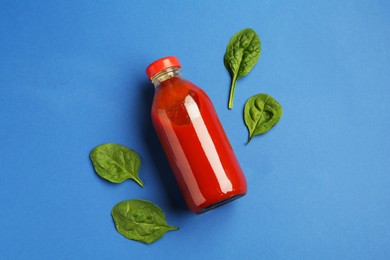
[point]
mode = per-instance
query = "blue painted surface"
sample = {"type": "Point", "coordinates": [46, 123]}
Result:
{"type": "Point", "coordinates": [72, 77]}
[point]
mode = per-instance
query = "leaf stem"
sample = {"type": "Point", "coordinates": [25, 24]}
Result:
{"type": "Point", "coordinates": [232, 89]}
{"type": "Point", "coordinates": [249, 139]}
{"type": "Point", "coordinates": [137, 180]}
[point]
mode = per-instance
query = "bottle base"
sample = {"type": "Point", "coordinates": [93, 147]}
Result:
{"type": "Point", "coordinates": [219, 203]}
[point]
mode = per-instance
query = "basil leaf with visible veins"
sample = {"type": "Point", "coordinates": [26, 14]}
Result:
{"type": "Point", "coordinates": [140, 220]}
{"type": "Point", "coordinates": [261, 113]}
{"type": "Point", "coordinates": [116, 163]}
{"type": "Point", "coordinates": [242, 53]}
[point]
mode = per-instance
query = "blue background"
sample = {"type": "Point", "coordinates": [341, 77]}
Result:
{"type": "Point", "coordinates": [72, 76]}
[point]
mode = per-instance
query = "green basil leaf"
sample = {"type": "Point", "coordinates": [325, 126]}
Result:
{"type": "Point", "coordinates": [116, 163]}
{"type": "Point", "coordinates": [261, 113]}
{"type": "Point", "coordinates": [242, 53]}
{"type": "Point", "coordinates": [140, 220]}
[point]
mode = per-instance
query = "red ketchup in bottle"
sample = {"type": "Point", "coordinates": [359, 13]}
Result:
{"type": "Point", "coordinates": [193, 139]}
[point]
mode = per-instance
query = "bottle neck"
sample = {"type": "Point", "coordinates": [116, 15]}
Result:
{"type": "Point", "coordinates": [163, 75]}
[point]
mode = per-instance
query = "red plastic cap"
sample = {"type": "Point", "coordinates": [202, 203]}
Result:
{"type": "Point", "coordinates": [162, 64]}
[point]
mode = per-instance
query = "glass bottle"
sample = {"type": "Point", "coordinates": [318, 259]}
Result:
{"type": "Point", "coordinates": [193, 139]}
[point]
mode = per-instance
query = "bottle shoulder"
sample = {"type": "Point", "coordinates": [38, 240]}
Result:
{"type": "Point", "coordinates": [178, 102]}
{"type": "Point", "coordinates": [177, 84]}
{"type": "Point", "coordinates": [176, 90]}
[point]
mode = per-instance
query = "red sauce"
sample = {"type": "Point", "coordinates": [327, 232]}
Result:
{"type": "Point", "coordinates": [196, 145]}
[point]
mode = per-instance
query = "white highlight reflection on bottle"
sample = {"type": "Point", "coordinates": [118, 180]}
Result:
{"type": "Point", "coordinates": [207, 144]}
